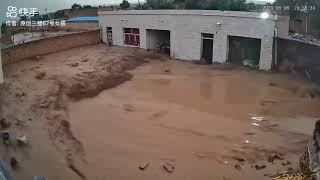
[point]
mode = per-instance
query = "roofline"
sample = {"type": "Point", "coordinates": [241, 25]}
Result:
{"type": "Point", "coordinates": [240, 14]}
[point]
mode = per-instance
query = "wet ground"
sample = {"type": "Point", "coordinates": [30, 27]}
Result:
{"type": "Point", "coordinates": [86, 116]}
{"type": "Point", "coordinates": [205, 121]}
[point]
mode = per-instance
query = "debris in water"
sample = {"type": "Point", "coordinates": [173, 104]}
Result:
{"type": "Point", "coordinates": [168, 167]}
{"type": "Point", "coordinates": [22, 140]}
{"type": "Point", "coordinates": [13, 162]}
{"type": "Point", "coordinates": [143, 166]}
{"type": "Point", "coordinates": [6, 138]}
{"type": "Point", "coordinates": [260, 166]}
{"type": "Point", "coordinates": [4, 123]}
{"type": "Point", "coordinates": [240, 159]}
{"type": "Point", "coordinates": [128, 107]}
{"type": "Point", "coordinates": [270, 101]}
{"type": "Point", "coordinates": [73, 64]}
{"type": "Point", "coordinates": [272, 84]}
{"type": "Point", "coordinates": [237, 166]}
{"type": "Point", "coordinates": [285, 163]}
{"type": "Point", "coordinates": [40, 75]}
{"type": "Point", "coordinates": [248, 142]}
{"type": "Point", "coordinates": [257, 118]}
{"type": "Point", "coordinates": [272, 157]}
{"type": "Point", "coordinates": [21, 94]}
{"type": "Point", "coordinates": [256, 124]}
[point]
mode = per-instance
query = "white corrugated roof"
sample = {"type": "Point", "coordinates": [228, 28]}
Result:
{"type": "Point", "coordinates": [188, 12]}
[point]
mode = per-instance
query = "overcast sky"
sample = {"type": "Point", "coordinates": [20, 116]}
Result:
{"type": "Point", "coordinates": [53, 5]}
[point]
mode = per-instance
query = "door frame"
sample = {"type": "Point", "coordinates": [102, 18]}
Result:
{"type": "Point", "coordinates": [208, 36]}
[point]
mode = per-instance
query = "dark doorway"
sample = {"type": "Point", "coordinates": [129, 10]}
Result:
{"type": "Point", "coordinates": [207, 47]}
{"type": "Point", "coordinates": [159, 40]}
{"type": "Point", "coordinates": [109, 36]}
{"type": "Point", "coordinates": [244, 50]}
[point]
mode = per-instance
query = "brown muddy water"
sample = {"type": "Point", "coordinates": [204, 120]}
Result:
{"type": "Point", "coordinates": [197, 118]}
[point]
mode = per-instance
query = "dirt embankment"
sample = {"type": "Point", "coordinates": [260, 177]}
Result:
{"type": "Point", "coordinates": [106, 75]}
{"type": "Point", "coordinates": [59, 78]}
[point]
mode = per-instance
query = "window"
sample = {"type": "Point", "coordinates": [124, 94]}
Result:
{"type": "Point", "coordinates": [131, 36]}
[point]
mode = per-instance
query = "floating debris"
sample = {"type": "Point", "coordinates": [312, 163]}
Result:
{"type": "Point", "coordinates": [272, 157]}
{"type": "Point", "coordinates": [13, 162]}
{"type": "Point", "coordinates": [4, 123]}
{"type": "Point", "coordinates": [237, 166]}
{"type": "Point", "coordinates": [256, 124]}
{"type": "Point", "coordinates": [6, 138]}
{"type": "Point", "coordinates": [169, 167]}
{"type": "Point", "coordinates": [260, 166]}
{"type": "Point", "coordinates": [144, 166]}
{"type": "Point", "coordinates": [22, 140]}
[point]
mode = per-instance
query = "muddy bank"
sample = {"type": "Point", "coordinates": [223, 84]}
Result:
{"type": "Point", "coordinates": [46, 85]}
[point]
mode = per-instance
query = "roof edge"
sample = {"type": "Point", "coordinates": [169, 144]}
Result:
{"type": "Point", "coordinates": [241, 14]}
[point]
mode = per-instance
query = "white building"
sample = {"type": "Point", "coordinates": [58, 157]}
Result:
{"type": "Point", "coordinates": [216, 36]}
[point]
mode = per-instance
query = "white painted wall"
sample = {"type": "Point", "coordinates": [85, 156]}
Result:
{"type": "Point", "coordinates": [186, 28]}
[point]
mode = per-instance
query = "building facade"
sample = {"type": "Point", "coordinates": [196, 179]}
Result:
{"type": "Point", "coordinates": [194, 34]}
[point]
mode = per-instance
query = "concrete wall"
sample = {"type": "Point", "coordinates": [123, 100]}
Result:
{"type": "Point", "coordinates": [282, 26]}
{"type": "Point", "coordinates": [49, 45]}
{"type": "Point", "coordinates": [80, 26]}
{"type": "Point", "coordinates": [186, 28]}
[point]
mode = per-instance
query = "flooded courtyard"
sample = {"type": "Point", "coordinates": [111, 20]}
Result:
{"type": "Point", "coordinates": [125, 113]}
{"type": "Point", "coordinates": [207, 122]}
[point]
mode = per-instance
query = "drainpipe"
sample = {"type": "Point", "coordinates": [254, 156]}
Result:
{"type": "Point", "coordinates": [307, 23]}
{"type": "Point", "coordinates": [276, 48]}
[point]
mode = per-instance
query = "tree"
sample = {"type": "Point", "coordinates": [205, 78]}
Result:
{"type": "Point", "coordinates": [76, 6]}
{"type": "Point", "coordinates": [293, 12]}
{"type": "Point", "coordinates": [124, 4]}
{"type": "Point", "coordinates": [87, 7]}
{"type": "Point", "coordinates": [57, 15]}
{"type": "Point", "coordinates": [160, 4]}
{"type": "Point", "coordinates": [229, 5]}
{"type": "Point", "coordinates": [3, 28]}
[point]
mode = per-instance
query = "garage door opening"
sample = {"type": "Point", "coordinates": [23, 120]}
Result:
{"type": "Point", "coordinates": [158, 40]}
{"type": "Point", "coordinates": [245, 51]}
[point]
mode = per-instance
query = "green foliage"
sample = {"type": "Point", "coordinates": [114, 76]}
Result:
{"type": "Point", "coordinates": [232, 5]}
{"type": "Point", "coordinates": [87, 7]}
{"type": "Point", "coordinates": [3, 28]}
{"type": "Point", "coordinates": [159, 4]}
{"type": "Point", "coordinates": [124, 4]}
{"type": "Point", "coordinates": [57, 15]}
{"type": "Point", "coordinates": [314, 15]}
{"type": "Point", "coordinates": [76, 6]}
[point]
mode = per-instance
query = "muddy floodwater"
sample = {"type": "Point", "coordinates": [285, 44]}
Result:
{"type": "Point", "coordinates": [208, 123]}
